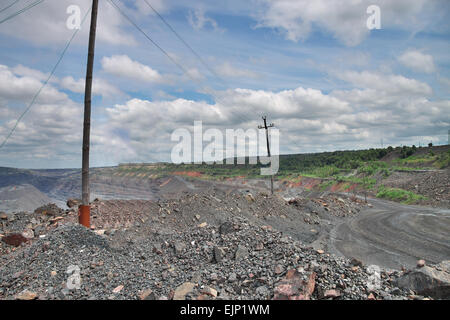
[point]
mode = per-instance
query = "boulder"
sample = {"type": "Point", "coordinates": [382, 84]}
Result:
{"type": "Point", "coordinates": [183, 290]}
{"type": "Point", "coordinates": [26, 295]}
{"type": "Point", "coordinates": [73, 202]}
{"type": "Point", "coordinates": [14, 239]}
{"type": "Point", "coordinates": [428, 281]}
{"type": "Point", "coordinates": [249, 197]}
{"type": "Point", "coordinates": [294, 287]}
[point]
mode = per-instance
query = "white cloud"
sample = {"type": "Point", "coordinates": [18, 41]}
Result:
{"type": "Point", "coordinates": [123, 66]}
{"type": "Point", "coordinates": [198, 21]}
{"type": "Point", "coordinates": [33, 73]}
{"type": "Point", "coordinates": [23, 88]}
{"type": "Point", "coordinates": [392, 84]}
{"type": "Point", "coordinates": [417, 61]}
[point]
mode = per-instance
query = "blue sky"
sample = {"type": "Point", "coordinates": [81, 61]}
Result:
{"type": "Point", "coordinates": [312, 67]}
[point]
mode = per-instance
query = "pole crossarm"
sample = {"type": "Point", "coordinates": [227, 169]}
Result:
{"type": "Point", "coordinates": [266, 127]}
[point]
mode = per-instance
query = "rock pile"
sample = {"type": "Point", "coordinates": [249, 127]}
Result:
{"type": "Point", "coordinates": [148, 262]}
{"type": "Point", "coordinates": [202, 246]}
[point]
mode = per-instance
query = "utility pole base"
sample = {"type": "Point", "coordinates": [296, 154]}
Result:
{"type": "Point", "coordinates": [84, 215]}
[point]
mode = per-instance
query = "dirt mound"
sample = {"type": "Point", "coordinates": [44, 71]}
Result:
{"type": "Point", "coordinates": [339, 206]}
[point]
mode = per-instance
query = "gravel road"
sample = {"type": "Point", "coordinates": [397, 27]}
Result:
{"type": "Point", "coordinates": [393, 235]}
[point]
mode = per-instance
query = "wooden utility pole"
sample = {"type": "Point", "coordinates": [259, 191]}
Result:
{"type": "Point", "coordinates": [266, 127]}
{"type": "Point", "coordinates": [85, 210]}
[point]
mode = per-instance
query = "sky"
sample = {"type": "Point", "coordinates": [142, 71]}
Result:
{"type": "Point", "coordinates": [314, 68]}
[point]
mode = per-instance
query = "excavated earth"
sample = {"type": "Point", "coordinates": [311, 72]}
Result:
{"type": "Point", "coordinates": [217, 244]}
{"type": "Point", "coordinates": [434, 185]}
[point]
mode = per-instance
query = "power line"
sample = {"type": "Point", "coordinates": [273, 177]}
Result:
{"type": "Point", "coordinates": [166, 54]}
{"type": "Point", "coordinates": [150, 39]}
{"type": "Point", "coordinates": [9, 6]}
{"type": "Point", "coordinates": [182, 40]}
{"type": "Point", "coordinates": [189, 47]}
{"type": "Point", "coordinates": [21, 11]}
{"type": "Point", "coordinates": [45, 82]}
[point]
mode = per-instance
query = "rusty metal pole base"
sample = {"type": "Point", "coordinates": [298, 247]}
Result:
{"type": "Point", "coordinates": [84, 215]}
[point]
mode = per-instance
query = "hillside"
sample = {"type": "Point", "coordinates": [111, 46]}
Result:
{"type": "Point", "coordinates": [405, 174]}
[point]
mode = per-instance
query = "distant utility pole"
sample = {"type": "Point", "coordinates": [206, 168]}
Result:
{"type": "Point", "coordinates": [85, 209]}
{"type": "Point", "coordinates": [268, 147]}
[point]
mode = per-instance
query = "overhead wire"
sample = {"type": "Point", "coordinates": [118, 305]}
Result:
{"type": "Point", "coordinates": [8, 6]}
{"type": "Point", "coordinates": [44, 83]}
{"type": "Point", "coordinates": [31, 5]}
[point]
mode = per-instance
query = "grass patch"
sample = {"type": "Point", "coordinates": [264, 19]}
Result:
{"type": "Point", "coordinates": [443, 161]}
{"type": "Point", "coordinates": [400, 195]}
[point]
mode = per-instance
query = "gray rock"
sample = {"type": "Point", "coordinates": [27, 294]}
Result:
{"type": "Point", "coordinates": [219, 254]}
{"type": "Point", "coordinates": [263, 291]}
{"type": "Point", "coordinates": [226, 227]}
{"type": "Point", "coordinates": [179, 247]}
{"type": "Point", "coordinates": [241, 253]}
{"type": "Point", "coordinates": [232, 277]}
{"type": "Point", "coordinates": [428, 281]}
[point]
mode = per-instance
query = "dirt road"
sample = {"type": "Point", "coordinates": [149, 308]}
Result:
{"type": "Point", "coordinates": [394, 235]}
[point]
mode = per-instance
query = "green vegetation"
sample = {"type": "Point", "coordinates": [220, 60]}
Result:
{"type": "Point", "coordinates": [443, 160]}
{"type": "Point", "coordinates": [338, 159]}
{"type": "Point", "coordinates": [400, 195]}
{"type": "Point", "coordinates": [407, 151]}
{"type": "Point", "coordinates": [372, 167]}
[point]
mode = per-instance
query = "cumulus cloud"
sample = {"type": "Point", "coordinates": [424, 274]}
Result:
{"type": "Point", "coordinates": [23, 88]}
{"type": "Point", "coordinates": [417, 61]}
{"type": "Point", "coordinates": [124, 66]}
